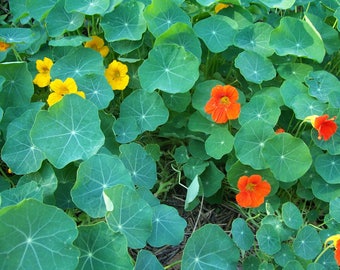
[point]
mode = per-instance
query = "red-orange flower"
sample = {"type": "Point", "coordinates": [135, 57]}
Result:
{"type": "Point", "coordinates": [336, 244]}
{"type": "Point", "coordinates": [252, 191]}
{"type": "Point", "coordinates": [326, 127]}
{"type": "Point", "coordinates": [279, 130]}
{"type": "Point", "coordinates": [223, 104]}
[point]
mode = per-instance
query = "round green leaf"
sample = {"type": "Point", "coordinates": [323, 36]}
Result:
{"type": "Point", "coordinates": [177, 102]}
{"type": "Point", "coordinates": [255, 38]}
{"type": "Point", "coordinates": [290, 89]}
{"type": "Point", "coordinates": [131, 215]}
{"type": "Point", "coordinates": [15, 195]}
{"type": "Point", "coordinates": [17, 89]}
{"type": "Point", "coordinates": [15, 35]}
{"type": "Point", "coordinates": [334, 209]}
{"type": "Point", "coordinates": [251, 262]}
{"type": "Point", "coordinates": [294, 71]}
{"type": "Point", "coordinates": [255, 67]}
{"type": "Point", "coordinates": [124, 22]}
{"type": "Point", "coordinates": [219, 143]}
{"type": "Point", "coordinates": [281, 4]}
{"type": "Point", "coordinates": [147, 109]}
{"type": "Point", "coordinates": [316, 266]}
{"type": "Point", "coordinates": [268, 239]}
{"type": "Point", "coordinates": [96, 89]}
{"type": "Point", "coordinates": [88, 7]}
{"type": "Point", "coordinates": [332, 145]}
{"type": "Point", "coordinates": [160, 15]}
{"type": "Point", "coordinates": [41, 240]}
{"type": "Point", "coordinates": [284, 232]}
{"type": "Point", "coordinates": [260, 109]}
{"type": "Point", "coordinates": [146, 260]}
{"type": "Point", "coordinates": [211, 179]}
{"type": "Point", "coordinates": [167, 226]}
{"type": "Point", "coordinates": [242, 235]}
{"type": "Point", "coordinates": [169, 68]}
{"type": "Point", "coordinates": [249, 142]}
{"type": "Point", "coordinates": [323, 190]}
{"type": "Point", "coordinates": [209, 248]}
{"type": "Point", "coordinates": [140, 164]}
{"type": "Point", "coordinates": [291, 215]}
{"type": "Point", "coordinates": [328, 167]}
{"type": "Point", "coordinates": [95, 175]}
{"type": "Point", "coordinates": [19, 152]}
{"type": "Point", "coordinates": [305, 105]}
{"type": "Point", "coordinates": [72, 41]}
{"type": "Point", "coordinates": [182, 35]}
{"type": "Point", "coordinates": [194, 167]}
{"type": "Point", "coordinates": [212, 31]}
{"type": "Point", "coordinates": [321, 83]}
{"type": "Point", "coordinates": [126, 129]}
{"type": "Point", "coordinates": [39, 10]}
{"type": "Point", "coordinates": [297, 37]}
{"type": "Point", "coordinates": [199, 123]}
{"type": "Point", "coordinates": [296, 265]}
{"type": "Point", "coordinates": [328, 259]}
{"type": "Point", "coordinates": [78, 62]}
{"type": "Point", "coordinates": [68, 131]}
{"type": "Point", "coordinates": [307, 243]}
{"type": "Point", "coordinates": [101, 248]}
{"type": "Point", "coordinates": [59, 20]}
{"type": "Point", "coordinates": [288, 157]}
{"type": "Point", "coordinates": [285, 255]}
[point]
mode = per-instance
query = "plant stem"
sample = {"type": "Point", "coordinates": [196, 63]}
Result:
{"type": "Point", "coordinates": [172, 264]}
{"type": "Point", "coordinates": [323, 252]}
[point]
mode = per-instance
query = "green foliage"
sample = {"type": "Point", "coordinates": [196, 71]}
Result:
{"type": "Point", "coordinates": [85, 183]}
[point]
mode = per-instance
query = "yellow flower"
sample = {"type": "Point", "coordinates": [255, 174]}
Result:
{"type": "Point", "coordinates": [4, 46]}
{"type": "Point", "coordinates": [97, 44]}
{"type": "Point", "coordinates": [43, 78]}
{"type": "Point", "coordinates": [116, 75]}
{"type": "Point", "coordinates": [220, 6]}
{"type": "Point", "coordinates": [61, 89]}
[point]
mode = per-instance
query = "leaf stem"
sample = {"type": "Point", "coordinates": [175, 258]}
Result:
{"type": "Point", "coordinates": [172, 264]}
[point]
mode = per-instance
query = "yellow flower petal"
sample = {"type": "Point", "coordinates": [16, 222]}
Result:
{"type": "Point", "coordinates": [42, 79]}
{"type": "Point", "coordinates": [45, 65]}
{"type": "Point", "coordinates": [71, 85]}
{"type": "Point", "coordinates": [53, 98]}
{"type": "Point", "coordinates": [97, 44]}
{"type": "Point", "coordinates": [311, 119]}
{"type": "Point", "coordinates": [220, 6]}
{"type": "Point", "coordinates": [334, 238]}
{"type": "Point", "coordinates": [80, 93]}
{"type": "Point", "coordinates": [116, 75]}
{"type": "Point", "coordinates": [104, 51]}
{"type": "Point", "coordinates": [64, 88]}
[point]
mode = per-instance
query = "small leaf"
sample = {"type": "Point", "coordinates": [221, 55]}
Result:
{"type": "Point", "coordinates": [334, 209]}
{"type": "Point", "coordinates": [146, 260]}
{"type": "Point", "coordinates": [216, 250]}
{"type": "Point", "coordinates": [219, 143]}
{"type": "Point", "coordinates": [268, 239]}
{"type": "Point", "coordinates": [217, 32]}
{"type": "Point", "coordinates": [167, 226]}
{"type": "Point", "coordinates": [291, 215]}
{"type": "Point", "coordinates": [255, 67]}
{"type": "Point", "coordinates": [242, 235]}
{"type": "Point", "coordinates": [328, 166]}
{"type": "Point", "coordinates": [101, 248]}
{"type": "Point", "coordinates": [307, 243]}
{"type": "Point", "coordinates": [131, 215]}
{"type": "Point", "coordinates": [192, 191]}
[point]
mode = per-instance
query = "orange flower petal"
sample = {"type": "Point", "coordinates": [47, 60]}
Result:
{"type": "Point", "coordinates": [243, 199]}
{"type": "Point", "coordinates": [337, 252]}
{"type": "Point", "coordinates": [233, 111]}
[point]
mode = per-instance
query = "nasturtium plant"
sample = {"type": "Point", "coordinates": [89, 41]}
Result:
{"type": "Point", "coordinates": [165, 134]}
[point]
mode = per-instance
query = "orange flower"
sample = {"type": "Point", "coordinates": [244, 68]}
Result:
{"type": "Point", "coordinates": [325, 127]}
{"type": "Point", "coordinates": [336, 244]}
{"type": "Point", "coordinates": [222, 105]}
{"type": "Point", "coordinates": [97, 44]}
{"type": "Point", "coordinates": [252, 191]}
{"type": "Point", "coordinates": [4, 46]}
{"type": "Point", "coordinates": [279, 130]}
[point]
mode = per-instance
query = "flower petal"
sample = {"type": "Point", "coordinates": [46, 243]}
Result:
{"type": "Point", "coordinates": [53, 98]}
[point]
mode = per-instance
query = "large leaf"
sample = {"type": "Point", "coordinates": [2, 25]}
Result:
{"type": "Point", "coordinates": [17, 89]}
{"type": "Point", "coordinates": [209, 248]}
{"type": "Point", "coordinates": [125, 22]}
{"type": "Point", "coordinates": [162, 14]}
{"type": "Point", "coordinates": [140, 164]}
{"type": "Point", "coordinates": [167, 226]}
{"type": "Point", "coordinates": [94, 176]}
{"type": "Point", "coordinates": [297, 37]}
{"type": "Point", "coordinates": [101, 248]}
{"type": "Point", "coordinates": [288, 157]}
{"type": "Point", "coordinates": [169, 68]}
{"type": "Point", "coordinates": [38, 10]}
{"type": "Point", "coordinates": [130, 215]}
{"type": "Point", "coordinates": [41, 240]}
{"type": "Point", "coordinates": [217, 32]}
{"type": "Point", "coordinates": [280, 4]}
{"type": "Point", "coordinates": [68, 131]}
{"type": "Point", "coordinates": [19, 152]}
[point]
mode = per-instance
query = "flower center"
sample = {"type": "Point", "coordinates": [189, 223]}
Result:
{"type": "Point", "coordinates": [225, 101]}
{"type": "Point", "coordinates": [116, 74]}
{"type": "Point", "coordinates": [250, 187]}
